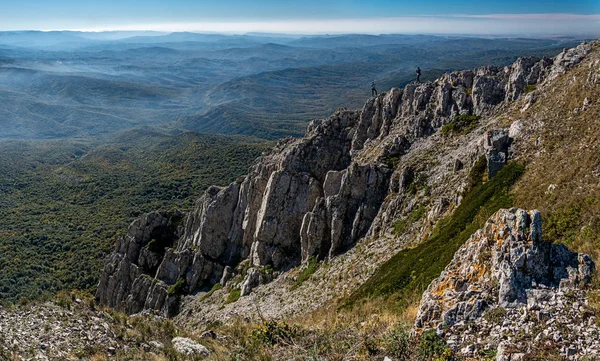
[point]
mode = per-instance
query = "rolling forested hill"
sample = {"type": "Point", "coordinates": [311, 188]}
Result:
{"type": "Point", "coordinates": [63, 202]}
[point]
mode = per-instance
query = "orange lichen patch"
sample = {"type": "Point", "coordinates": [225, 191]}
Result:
{"type": "Point", "coordinates": [447, 302]}
{"type": "Point", "coordinates": [475, 288]}
{"type": "Point", "coordinates": [476, 272]}
{"type": "Point", "coordinates": [447, 284]}
{"type": "Point", "coordinates": [498, 239]}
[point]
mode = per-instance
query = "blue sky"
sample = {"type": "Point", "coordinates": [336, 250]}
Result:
{"type": "Point", "coordinates": [304, 16]}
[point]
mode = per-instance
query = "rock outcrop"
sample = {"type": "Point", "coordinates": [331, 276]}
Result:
{"type": "Point", "coordinates": [189, 347]}
{"type": "Point", "coordinates": [506, 276]}
{"type": "Point", "coordinates": [125, 283]}
{"type": "Point", "coordinates": [310, 197]}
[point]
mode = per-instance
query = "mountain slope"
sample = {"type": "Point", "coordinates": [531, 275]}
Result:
{"type": "Point", "coordinates": [417, 170]}
{"type": "Point", "coordinates": [313, 184]}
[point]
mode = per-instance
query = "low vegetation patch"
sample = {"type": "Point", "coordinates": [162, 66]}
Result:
{"type": "Point", "coordinates": [461, 124]}
{"type": "Point", "coordinates": [391, 162]}
{"type": "Point", "coordinates": [495, 315]}
{"type": "Point", "coordinates": [401, 225]}
{"type": "Point", "coordinates": [433, 346]}
{"type": "Point", "coordinates": [179, 288]}
{"type": "Point", "coordinates": [233, 296]}
{"type": "Point", "coordinates": [478, 173]}
{"type": "Point", "coordinates": [307, 272]}
{"type": "Point", "coordinates": [529, 88]}
{"type": "Point", "coordinates": [397, 343]}
{"type": "Point", "coordinates": [418, 184]}
{"type": "Point", "coordinates": [274, 332]}
{"type": "Point", "coordinates": [215, 288]}
{"type": "Point", "coordinates": [410, 271]}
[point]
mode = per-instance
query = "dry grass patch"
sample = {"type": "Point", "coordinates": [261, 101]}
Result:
{"type": "Point", "coordinates": [561, 178]}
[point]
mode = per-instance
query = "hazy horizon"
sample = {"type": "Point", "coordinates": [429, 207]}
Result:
{"type": "Point", "coordinates": [310, 17]}
{"type": "Point", "coordinates": [300, 29]}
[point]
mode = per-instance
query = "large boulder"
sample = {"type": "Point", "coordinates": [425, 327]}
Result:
{"type": "Point", "coordinates": [506, 277]}
{"type": "Point", "coordinates": [499, 265]}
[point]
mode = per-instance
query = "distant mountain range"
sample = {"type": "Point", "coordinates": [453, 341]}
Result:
{"type": "Point", "coordinates": [65, 84]}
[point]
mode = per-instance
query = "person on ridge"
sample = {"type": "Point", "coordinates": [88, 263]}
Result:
{"type": "Point", "coordinates": [373, 90]}
{"type": "Point", "coordinates": [418, 75]}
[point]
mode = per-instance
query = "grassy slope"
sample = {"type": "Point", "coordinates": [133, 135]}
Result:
{"type": "Point", "coordinates": [409, 272]}
{"type": "Point", "coordinates": [562, 180]}
{"type": "Point", "coordinates": [64, 202]}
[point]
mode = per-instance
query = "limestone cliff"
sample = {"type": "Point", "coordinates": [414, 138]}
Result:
{"type": "Point", "coordinates": [346, 179]}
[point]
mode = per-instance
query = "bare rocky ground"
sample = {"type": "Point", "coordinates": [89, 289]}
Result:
{"type": "Point", "coordinates": [71, 328]}
{"type": "Point", "coordinates": [48, 331]}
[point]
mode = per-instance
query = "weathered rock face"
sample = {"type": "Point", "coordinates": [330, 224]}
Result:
{"type": "Point", "coordinates": [505, 266]}
{"type": "Point", "coordinates": [496, 146]}
{"type": "Point", "coordinates": [309, 197]}
{"type": "Point", "coordinates": [123, 283]}
{"type": "Point", "coordinates": [351, 200]}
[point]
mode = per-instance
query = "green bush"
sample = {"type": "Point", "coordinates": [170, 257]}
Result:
{"type": "Point", "coordinates": [432, 346]}
{"type": "Point", "coordinates": [461, 124]}
{"type": "Point", "coordinates": [307, 272]}
{"type": "Point", "coordinates": [418, 184]}
{"type": "Point", "coordinates": [274, 332]}
{"type": "Point", "coordinates": [179, 288]}
{"type": "Point", "coordinates": [215, 287]}
{"type": "Point", "coordinates": [390, 162]}
{"type": "Point", "coordinates": [397, 342]}
{"type": "Point", "coordinates": [529, 88]}
{"type": "Point", "coordinates": [233, 296]}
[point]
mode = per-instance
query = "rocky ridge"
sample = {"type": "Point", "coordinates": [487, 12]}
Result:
{"type": "Point", "coordinates": [507, 289]}
{"type": "Point", "coordinates": [352, 176]}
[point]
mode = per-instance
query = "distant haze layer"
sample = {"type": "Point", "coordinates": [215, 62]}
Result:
{"type": "Point", "coordinates": [72, 84]}
{"type": "Point", "coordinates": [492, 24]}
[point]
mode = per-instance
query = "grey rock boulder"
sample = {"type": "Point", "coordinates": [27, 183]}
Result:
{"type": "Point", "coordinates": [505, 264]}
{"type": "Point", "coordinates": [189, 347]}
{"type": "Point", "coordinates": [496, 145]}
